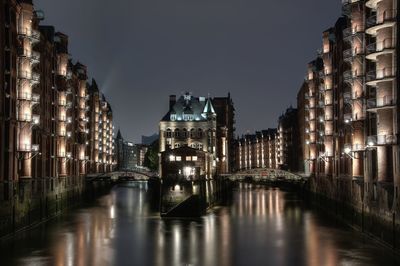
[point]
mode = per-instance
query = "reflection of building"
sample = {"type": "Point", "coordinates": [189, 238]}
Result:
{"type": "Point", "coordinates": [190, 122]}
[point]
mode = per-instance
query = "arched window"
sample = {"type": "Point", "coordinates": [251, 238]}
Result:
{"type": "Point", "coordinates": [169, 133]}
{"type": "Point", "coordinates": [200, 133]}
{"type": "Point", "coordinates": [177, 133]}
{"type": "Point", "coordinates": [192, 133]}
{"type": "Point", "coordinates": [184, 135]}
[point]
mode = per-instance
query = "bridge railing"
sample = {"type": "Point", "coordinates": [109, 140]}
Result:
{"type": "Point", "coordinates": [265, 174]}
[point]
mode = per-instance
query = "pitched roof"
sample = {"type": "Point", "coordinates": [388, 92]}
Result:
{"type": "Point", "coordinates": [188, 107]}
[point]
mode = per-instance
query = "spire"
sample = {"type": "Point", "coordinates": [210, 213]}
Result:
{"type": "Point", "coordinates": [209, 108]}
{"type": "Point", "coordinates": [119, 135]}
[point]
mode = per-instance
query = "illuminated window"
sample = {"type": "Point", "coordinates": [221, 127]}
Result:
{"type": "Point", "coordinates": [194, 158]}
{"type": "Point", "coordinates": [188, 158]}
{"type": "Point", "coordinates": [172, 158]}
{"type": "Point", "coordinates": [178, 158]}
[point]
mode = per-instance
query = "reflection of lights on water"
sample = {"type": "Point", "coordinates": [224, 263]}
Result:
{"type": "Point", "coordinates": [177, 240]}
{"type": "Point", "coordinates": [280, 243]}
{"type": "Point", "coordinates": [112, 212]}
{"type": "Point", "coordinates": [195, 189]}
{"type": "Point", "coordinates": [70, 249]}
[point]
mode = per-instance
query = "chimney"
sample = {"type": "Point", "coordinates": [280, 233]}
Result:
{"type": "Point", "coordinates": [172, 101]}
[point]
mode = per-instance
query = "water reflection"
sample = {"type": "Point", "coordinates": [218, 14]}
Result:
{"type": "Point", "coordinates": [263, 226]}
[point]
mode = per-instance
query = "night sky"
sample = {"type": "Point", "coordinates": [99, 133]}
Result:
{"type": "Point", "coordinates": [141, 51]}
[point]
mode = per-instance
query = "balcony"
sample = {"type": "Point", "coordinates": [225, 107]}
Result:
{"type": "Point", "coordinates": [328, 132]}
{"type": "Point", "coordinates": [63, 154]}
{"type": "Point", "coordinates": [35, 36]}
{"type": "Point", "coordinates": [380, 103]}
{"type": "Point", "coordinates": [349, 76]}
{"type": "Point", "coordinates": [34, 78]}
{"type": "Point", "coordinates": [358, 147]}
{"type": "Point", "coordinates": [374, 50]}
{"type": "Point", "coordinates": [325, 154]}
{"type": "Point", "coordinates": [381, 140]}
{"type": "Point", "coordinates": [68, 75]}
{"type": "Point", "coordinates": [350, 32]}
{"type": "Point", "coordinates": [32, 35]}
{"type": "Point", "coordinates": [33, 56]}
{"type": "Point", "coordinates": [381, 21]}
{"type": "Point", "coordinates": [372, 3]}
{"type": "Point", "coordinates": [328, 118]}
{"type": "Point", "coordinates": [347, 118]}
{"type": "Point", "coordinates": [24, 96]}
{"type": "Point", "coordinates": [346, 6]}
{"type": "Point", "coordinates": [28, 148]}
{"type": "Point", "coordinates": [323, 73]}
{"type": "Point", "coordinates": [347, 97]}
{"type": "Point", "coordinates": [26, 117]}
{"type": "Point", "coordinates": [35, 120]}
{"type": "Point", "coordinates": [348, 54]}
{"type": "Point", "coordinates": [381, 75]}
{"type": "Point", "coordinates": [328, 102]}
{"type": "Point", "coordinates": [35, 98]}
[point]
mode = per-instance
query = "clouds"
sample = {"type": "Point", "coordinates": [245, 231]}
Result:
{"type": "Point", "coordinates": [140, 51]}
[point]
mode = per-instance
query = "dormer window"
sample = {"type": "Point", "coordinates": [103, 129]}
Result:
{"type": "Point", "coordinates": [188, 117]}
{"type": "Point", "coordinates": [173, 117]}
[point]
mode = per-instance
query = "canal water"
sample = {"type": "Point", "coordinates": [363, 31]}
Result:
{"type": "Point", "coordinates": [261, 226]}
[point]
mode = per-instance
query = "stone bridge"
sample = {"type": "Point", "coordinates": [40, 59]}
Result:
{"type": "Point", "coordinates": [265, 174]}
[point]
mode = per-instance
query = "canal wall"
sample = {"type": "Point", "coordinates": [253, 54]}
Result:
{"type": "Point", "coordinates": [373, 210]}
{"type": "Point", "coordinates": [33, 201]}
{"type": "Point", "coordinates": [192, 198]}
